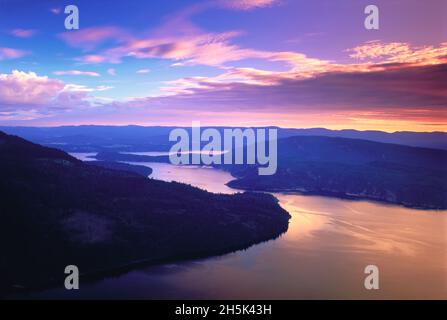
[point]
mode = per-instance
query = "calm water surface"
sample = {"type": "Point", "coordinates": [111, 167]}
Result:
{"type": "Point", "coordinates": [322, 255]}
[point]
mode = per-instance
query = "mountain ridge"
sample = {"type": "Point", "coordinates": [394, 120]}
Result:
{"type": "Point", "coordinates": [93, 137]}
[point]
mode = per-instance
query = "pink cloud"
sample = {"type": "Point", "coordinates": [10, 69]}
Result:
{"type": "Point", "coordinates": [76, 73]}
{"type": "Point", "coordinates": [89, 38]}
{"type": "Point", "coordinates": [91, 58]}
{"type": "Point", "coordinates": [10, 53]}
{"type": "Point", "coordinates": [387, 98]}
{"type": "Point", "coordinates": [393, 56]}
{"type": "Point", "coordinates": [28, 96]}
{"type": "Point", "coordinates": [178, 39]}
{"type": "Point", "coordinates": [246, 4]}
{"type": "Point", "coordinates": [27, 88]}
{"type": "Point", "coordinates": [408, 94]}
{"type": "Point", "coordinates": [212, 49]}
{"type": "Point", "coordinates": [23, 33]}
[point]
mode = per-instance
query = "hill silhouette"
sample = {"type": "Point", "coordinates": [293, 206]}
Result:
{"type": "Point", "coordinates": [57, 211]}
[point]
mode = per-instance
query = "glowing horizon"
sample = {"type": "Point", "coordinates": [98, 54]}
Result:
{"type": "Point", "coordinates": [214, 62]}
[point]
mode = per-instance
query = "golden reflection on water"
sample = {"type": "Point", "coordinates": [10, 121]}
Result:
{"type": "Point", "coordinates": [409, 244]}
{"type": "Point", "coordinates": [364, 225]}
{"type": "Point", "coordinates": [324, 252]}
{"type": "Point", "coordinates": [304, 222]}
{"type": "Point", "coordinates": [322, 255]}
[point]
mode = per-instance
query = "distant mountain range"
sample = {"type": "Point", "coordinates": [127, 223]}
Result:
{"type": "Point", "coordinates": [346, 163]}
{"type": "Point", "coordinates": [139, 138]}
{"type": "Point", "coordinates": [57, 211]}
{"type": "Point", "coordinates": [410, 176]}
{"type": "Point", "coordinates": [341, 167]}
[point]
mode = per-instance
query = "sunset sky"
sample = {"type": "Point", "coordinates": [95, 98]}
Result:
{"type": "Point", "coordinates": [225, 62]}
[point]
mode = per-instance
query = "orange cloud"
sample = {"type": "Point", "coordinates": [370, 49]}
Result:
{"type": "Point", "coordinates": [396, 56]}
{"type": "Point", "coordinates": [400, 52]}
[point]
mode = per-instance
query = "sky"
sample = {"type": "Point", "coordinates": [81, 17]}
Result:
{"type": "Point", "coordinates": [285, 63]}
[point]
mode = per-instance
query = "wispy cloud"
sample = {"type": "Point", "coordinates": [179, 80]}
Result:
{"type": "Point", "coordinates": [213, 49]}
{"type": "Point", "coordinates": [76, 73]}
{"type": "Point", "coordinates": [205, 48]}
{"type": "Point", "coordinates": [91, 58]}
{"type": "Point", "coordinates": [11, 53]}
{"type": "Point", "coordinates": [177, 39]}
{"type": "Point", "coordinates": [23, 33]}
{"type": "Point", "coordinates": [249, 71]}
{"type": "Point", "coordinates": [143, 71]}
{"type": "Point", "coordinates": [400, 52]}
{"type": "Point", "coordinates": [412, 94]}
{"type": "Point", "coordinates": [246, 4]}
{"type": "Point", "coordinates": [393, 56]}
{"type": "Point", "coordinates": [56, 11]}
{"type": "Point", "coordinates": [410, 90]}
{"type": "Point", "coordinates": [83, 88]}
{"type": "Point", "coordinates": [90, 38]}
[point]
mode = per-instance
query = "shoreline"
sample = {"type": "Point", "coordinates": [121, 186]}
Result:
{"type": "Point", "coordinates": [334, 195]}
{"type": "Point", "coordinates": [20, 293]}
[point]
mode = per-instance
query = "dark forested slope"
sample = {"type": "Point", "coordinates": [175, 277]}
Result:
{"type": "Point", "coordinates": [56, 211]}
